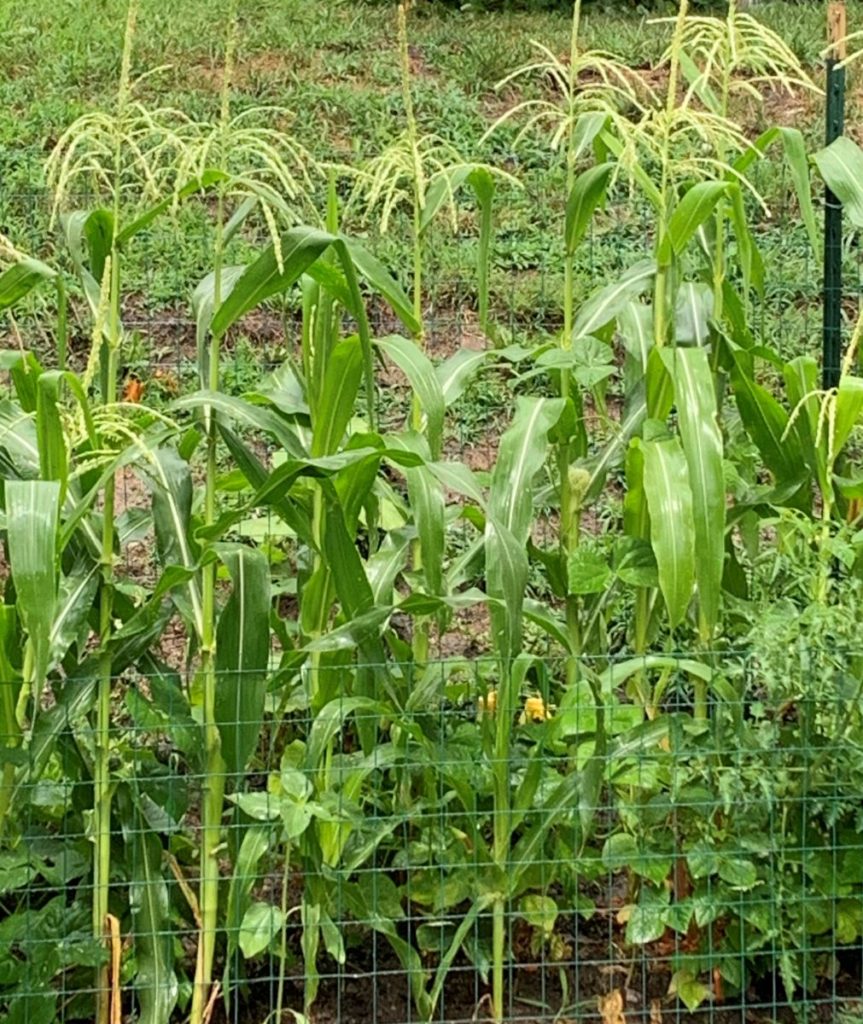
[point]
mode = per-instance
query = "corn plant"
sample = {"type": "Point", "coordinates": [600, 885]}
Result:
{"type": "Point", "coordinates": [425, 172]}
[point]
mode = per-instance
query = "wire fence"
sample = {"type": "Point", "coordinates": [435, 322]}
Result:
{"type": "Point", "coordinates": [670, 859]}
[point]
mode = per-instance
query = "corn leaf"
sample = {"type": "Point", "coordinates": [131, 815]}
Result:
{"type": "Point", "coordinates": [691, 212]}
{"type": "Point", "coordinates": [587, 195]}
{"type": "Point", "coordinates": [268, 276]}
{"type": "Point", "coordinates": [32, 515]}
{"type": "Point", "coordinates": [841, 167]}
{"type": "Point", "coordinates": [371, 269]}
{"type": "Point", "coordinates": [242, 654]}
{"type": "Point", "coordinates": [420, 372]}
{"type": "Point", "coordinates": [53, 456]}
{"type": "Point", "coordinates": [672, 524]}
{"type": "Point", "coordinates": [75, 597]}
{"type": "Point", "coordinates": [702, 444]}
{"type": "Point", "coordinates": [455, 373]}
{"type": "Point", "coordinates": [19, 279]}
{"type": "Point", "coordinates": [510, 512]}
{"type": "Point", "coordinates": [339, 390]}
{"type": "Point", "coordinates": [766, 421]}
{"type": "Point", "coordinates": [156, 983]}
{"type": "Point", "coordinates": [602, 307]}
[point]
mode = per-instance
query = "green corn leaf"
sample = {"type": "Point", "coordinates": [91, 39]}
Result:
{"type": "Point", "coordinates": [520, 457]}
{"type": "Point", "coordinates": [255, 843]}
{"type": "Point", "coordinates": [427, 502]}
{"type": "Point", "coordinates": [672, 525]}
{"type": "Point", "coordinates": [420, 372]}
{"type": "Point", "coordinates": [801, 385]}
{"type": "Point", "coordinates": [602, 307]}
{"type": "Point", "coordinates": [242, 654]}
{"type": "Point", "coordinates": [635, 323]}
{"type": "Point", "coordinates": [691, 212]}
{"type": "Point", "coordinates": [456, 477]}
{"type": "Point", "coordinates": [841, 167]}
{"type": "Point", "coordinates": [32, 516]}
{"type": "Point", "coordinates": [53, 456]}
{"type": "Point", "coordinates": [353, 589]}
{"type": "Point", "coordinates": [794, 145]}
{"type": "Point", "coordinates": [455, 373]}
{"type": "Point", "coordinates": [385, 565]}
{"type": "Point", "coordinates": [692, 313]}
{"type": "Point", "coordinates": [330, 720]}
{"type": "Point", "coordinates": [20, 279]}
{"type": "Point", "coordinates": [483, 183]}
{"type": "Point", "coordinates": [10, 684]}
{"type": "Point", "coordinates": [507, 570]}
{"type": "Point", "coordinates": [381, 281]}
{"type": "Point", "coordinates": [510, 513]}
{"type": "Point", "coordinates": [248, 414]}
{"type": "Point", "coordinates": [75, 597]}
{"type": "Point", "coordinates": [553, 625]}
{"type": "Point", "coordinates": [257, 475]}
{"type": "Point", "coordinates": [587, 195]}
{"type": "Point", "coordinates": [24, 369]}
{"type": "Point", "coordinates": [208, 180]}
{"type": "Point", "coordinates": [170, 483]}
{"type": "Point", "coordinates": [614, 450]}
{"type": "Point", "coordinates": [748, 254]}
{"type": "Point", "coordinates": [702, 444]}
{"type": "Point", "coordinates": [156, 983]}
{"type": "Point", "coordinates": [98, 233]}
{"type": "Point", "coordinates": [849, 406]}
{"type": "Point", "coordinates": [766, 423]}
{"type": "Point", "coordinates": [426, 496]}
{"type": "Point", "coordinates": [441, 190]}
{"type": "Point", "coordinates": [338, 395]}
{"type": "Point", "coordinates": [203, 305]}
{"type": "Point", "coordinates": [263, 278]}
{"type": "Point", "coordinates": [617, 674]}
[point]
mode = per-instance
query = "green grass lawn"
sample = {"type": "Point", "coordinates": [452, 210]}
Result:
{"type": "Point", "coordinates": [334, 65]}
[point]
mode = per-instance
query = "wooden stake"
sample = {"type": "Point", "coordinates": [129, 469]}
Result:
{"type": "Point", "coordinates": [837, 29]}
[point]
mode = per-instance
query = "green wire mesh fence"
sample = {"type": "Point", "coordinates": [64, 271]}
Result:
{"type": "Point", "coordinates": [647, 854]}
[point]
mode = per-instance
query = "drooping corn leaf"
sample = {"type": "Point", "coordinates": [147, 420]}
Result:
{"type": "Point", "coordinates": [455, 373]}
{"type": "Point", "coordinates": [20, 279]}
{"type": "Point", "coordinates": [268, 276]}
{"type": "Point", "coordinates": [766, 423]}
{"type": "Point", "coordinates": [586, 196]}
{"type": "Point", "coordinates": [420, 372]}
{"type": "Point", "coordinates": [841, 167]}
{"type": "Point", "coordinates": [370, 268]}
{"type": "Point", "coordinates": [76, 593]}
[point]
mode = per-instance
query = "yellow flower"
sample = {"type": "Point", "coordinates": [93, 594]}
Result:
{"type": "Point", "coordinates": [534, 711]}
{"type": "Point", "coordinates": [487, 705]}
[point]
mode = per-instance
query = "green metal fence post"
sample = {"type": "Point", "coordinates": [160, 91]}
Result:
{"type": "Point", "coordinates": [832, 336]}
